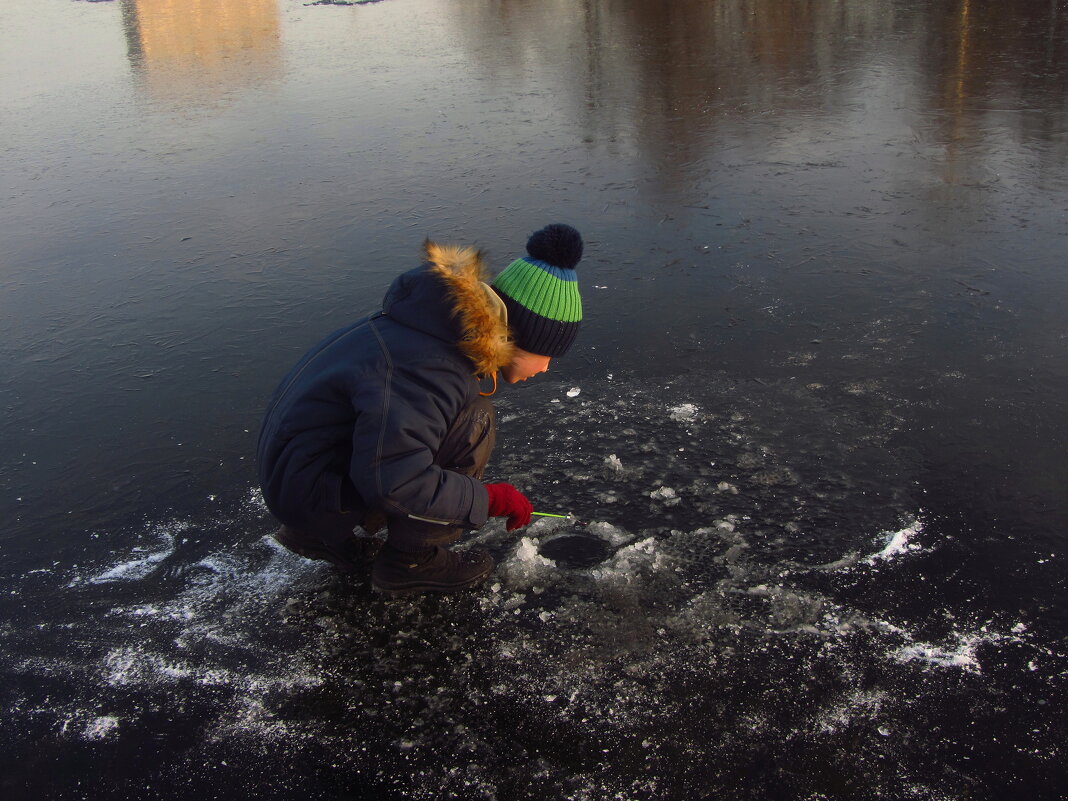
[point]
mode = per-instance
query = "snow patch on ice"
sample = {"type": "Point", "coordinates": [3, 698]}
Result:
{"type": "Point", "coordinates": [961, 650]}
{"type": "Point", "coordinates": [225, 593]}
{"type": "Point", "coordinates": [134, 666]}
{"type": "Point", "coordinates": [145, 559]}
{"type": "Point", "coordinates": [898, 543]}
{"type": "Point", "coordinates": [101, 728]}
{"type": "Point", "coordinates": [960, 654]}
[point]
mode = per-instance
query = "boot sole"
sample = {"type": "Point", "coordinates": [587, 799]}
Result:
{"type": "Point", "coordinates": [322, 555]}
{"type": "Point", "coordinates": [417, 588]}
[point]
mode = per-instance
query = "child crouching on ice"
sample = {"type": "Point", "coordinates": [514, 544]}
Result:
{"type": "Point", "coordinates": [384, 421]}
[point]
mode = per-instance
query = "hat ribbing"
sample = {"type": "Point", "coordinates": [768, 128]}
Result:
{"type": "Point", "coordinates": [541, 291]}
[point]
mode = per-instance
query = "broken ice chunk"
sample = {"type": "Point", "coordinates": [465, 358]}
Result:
{"type": "Point", "coordinates": [609, 533]}
{"type": "Point", "coordinates": [684, 413]}
{"type": "Point", "coordinates": [526, 567]}
{"type": "Point", "coordinates": [665, 494]}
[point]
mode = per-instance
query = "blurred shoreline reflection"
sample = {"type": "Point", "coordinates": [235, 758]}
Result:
{"type": "Point", "coordinates": [195, 52]}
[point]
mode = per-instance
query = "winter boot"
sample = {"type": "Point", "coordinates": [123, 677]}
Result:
{"type": "Point", "coordinates": [396, 573]}
{"type": "Point", "coordinates": [347, 556]}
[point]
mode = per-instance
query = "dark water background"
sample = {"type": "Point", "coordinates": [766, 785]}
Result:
{"type": "Point", "coordinates": [813, 430]}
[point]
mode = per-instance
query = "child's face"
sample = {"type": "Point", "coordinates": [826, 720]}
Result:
{"type": "Point", "coordinates": [524, 364]}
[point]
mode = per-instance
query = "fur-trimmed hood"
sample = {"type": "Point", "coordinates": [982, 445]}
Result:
{"type": "Point", "coordinates": [472, 316]}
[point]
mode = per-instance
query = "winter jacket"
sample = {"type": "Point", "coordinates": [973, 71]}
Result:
{"type": "Point", "coordinates": [372, 402]}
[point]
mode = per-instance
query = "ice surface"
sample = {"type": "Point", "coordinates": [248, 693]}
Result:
{"type": "Point", "coordinates": [738, 621]}
{"type": "Point", "coordinates": [594, 655]}
{"type": "Point", "coordinates": [853, 707]}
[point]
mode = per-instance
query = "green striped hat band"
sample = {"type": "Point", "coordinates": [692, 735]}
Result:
{"type": "Point", "coordinates": [544, 306]}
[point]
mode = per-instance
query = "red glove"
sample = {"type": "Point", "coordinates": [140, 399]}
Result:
{"type": "Point", "coordinates": [506, 501]}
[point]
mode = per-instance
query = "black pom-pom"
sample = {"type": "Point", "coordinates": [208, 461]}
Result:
{"type": "Point", "coordinates": [557, 244]}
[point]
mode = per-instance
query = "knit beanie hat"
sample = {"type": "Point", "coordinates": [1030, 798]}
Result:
{"type": "Point", "coordinates": [541, 291]}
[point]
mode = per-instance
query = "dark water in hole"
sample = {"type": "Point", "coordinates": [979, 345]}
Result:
{"type": "Point", "coordinates": [812, 434]}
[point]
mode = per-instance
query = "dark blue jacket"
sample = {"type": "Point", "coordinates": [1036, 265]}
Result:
{"type": "Point", "coordinates": [355, 425]}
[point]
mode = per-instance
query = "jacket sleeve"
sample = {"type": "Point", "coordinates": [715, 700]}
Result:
{"type": "Point", "coordinates": [401, 422]}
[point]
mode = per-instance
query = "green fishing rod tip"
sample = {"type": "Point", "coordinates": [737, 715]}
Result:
{"type": "Point", "coordinates": [548, 514]}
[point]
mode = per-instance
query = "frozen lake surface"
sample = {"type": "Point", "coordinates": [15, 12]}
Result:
{"type": "Point", "coordinates": [811, 439]}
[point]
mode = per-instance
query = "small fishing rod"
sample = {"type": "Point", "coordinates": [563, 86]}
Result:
{"type": "Point", "coordinates": [572, 518]}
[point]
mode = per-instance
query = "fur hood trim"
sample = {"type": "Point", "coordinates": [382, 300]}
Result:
{"type": "Point", "coordinates": [485, 339]}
